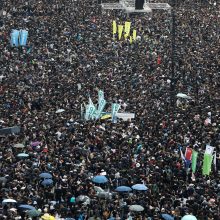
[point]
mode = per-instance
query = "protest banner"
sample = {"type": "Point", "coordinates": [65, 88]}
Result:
{"type": "Point", "coordinates": [115, 108]}
{"type": "Point", "coordinates": [114, 28]}
{"type": "Point", "coordinates": [23, 37]}
{"type": "Point", "coordinates": [15, 38]}
{"type": "Point", "coordinates": [120, 30]}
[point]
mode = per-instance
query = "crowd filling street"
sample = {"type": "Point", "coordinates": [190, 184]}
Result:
{"type": "Point", "coordinates": [60, 166]}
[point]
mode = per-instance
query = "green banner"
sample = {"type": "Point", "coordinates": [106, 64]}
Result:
{"type": "Point", "coordinates": [207, 164]}
{"type": "Point", "coordinates": [194, 160]}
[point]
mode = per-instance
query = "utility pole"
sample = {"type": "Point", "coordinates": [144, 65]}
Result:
{"type": "Point", "coordinates": [173, 56]}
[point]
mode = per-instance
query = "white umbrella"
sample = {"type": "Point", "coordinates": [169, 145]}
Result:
{"type": "Point", "coordinates": [182, 95]}
{"type": "Point", "coordinates": [23, 155]}
{"type": "Point", "coordinates": [136, 208]}
{"type": "Point", "coordinates": [189, 217]}
{"type": "Point", "coordinates": [98, 189]}
{"type": "Point", "coordinates": [19, 146]}
{"type": "Point", "coordinates": [9, 201]}
{"type": "Point", "coordinates": [60, 110]}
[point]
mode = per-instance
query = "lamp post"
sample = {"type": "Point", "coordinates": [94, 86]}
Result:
{"type": "Point", "coordinates": [173, 50]}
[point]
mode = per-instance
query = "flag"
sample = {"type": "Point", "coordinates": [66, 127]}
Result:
{"type": "Point", "coordinates": [159, 60]}
{"type": "Point", "coordinates": [23, 37]}
{"type": "Point", "coordinates": [29, 50]}
{"type": "Point", "coordinates": [120, 30]}
{"type": "Point", "coordinates": [209, 149]}
{"type": "Point", "coordinates": [127, 28]}
{"type": "Point", "coordinates": [134, 35]}
{"type": "Point", "coordinates": [138, 149]}
{"type": "Point", "coordinates": [214, 161]}
{"type": "Point", "coordinates": [82, 110]}
{"type": "Point", "coordinates": [188, 153]}
{"type": "Point", "coordinates": [186, 161]}
{"type": "Point", "coordinates": [114, 28]}
{"type": "Point", "coordinates": [15, 38]}
{"type": "Point", "coordinates": [207, 164]}
{"type": "Point", "coordinates": [181, 154]}
{"type": "Point", "coordinates": [115, 108]}
{"type": "Point", "coordinates": [193, 178]}
{"type": "Point", "coordinates": [194, 160]}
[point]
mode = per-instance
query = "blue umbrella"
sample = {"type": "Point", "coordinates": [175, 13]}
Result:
{"type": "Point", "coordinates": [99, 179]}
{"type": "Point", "coordinates": [123, 189]}
{"type": "Point", "coordinates": [28, 207]}
{"type": "Point", "coordinates": [140, 187]}
{"type": "Point", "coordinates": [33, 213]}
{"type": "Point", "coordinates": [23, 155]}
{"type": "Point", "coordinates": [167, 217]}
{"type": "Point", "coordinates": [45, 175]}
{"type": "Point", "coordinates": [47, 182]}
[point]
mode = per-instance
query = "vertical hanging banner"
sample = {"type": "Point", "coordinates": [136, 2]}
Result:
{"type": "Point", "coordinates": [120, 30]}
{"type": "Point", "coordinates": [100, 96]}
{"type": "Point", "coordinates": [90, 110]}
{"type": "Point", "coordinates": [194, 160]}
{"type": "Point", "coordinates": [131, 40]}
{"type": "Point", "coordinates": [100, 108]}
{"type": "Point", "coordinates": [23, 37]}
{"type": "Point", "coordinates": [101, 102]}
{"type": "Point", "coordinates": [207, 164]}
{"type": "Point", "coordinates": [207, 161]}
{"type": "Point", "coordinates": [127, 29]}
{"type": "Point", "coordinates": [115, 109]}
{"type": "Point", "coordinates": [15, 38]}
{"type": "Point", "coordinates": [114, 28]}
{"type": "Point", "coordinates": [134, 35]}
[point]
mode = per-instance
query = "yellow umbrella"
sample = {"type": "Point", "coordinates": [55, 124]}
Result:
{"type": "Point", "coordinates": [47, 217]}
{"type": "Point", "coordinates": [106, 116]}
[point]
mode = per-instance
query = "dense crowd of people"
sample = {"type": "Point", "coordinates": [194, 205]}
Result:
{"type": "Point", "coordinates": [70, 55]}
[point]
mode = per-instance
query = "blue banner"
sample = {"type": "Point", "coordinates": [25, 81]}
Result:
{"type": "Point", "coordinates": [14, 38]}
{"type": "Point", "coordinates": [23, 37]}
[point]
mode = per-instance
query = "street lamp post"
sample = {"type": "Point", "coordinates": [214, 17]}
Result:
{"type": "Point", "coordinates": [173, 56]}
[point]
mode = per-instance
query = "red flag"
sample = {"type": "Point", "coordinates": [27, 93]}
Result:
{"type": "Point", "coordinates": [188, 153]}
{"type": "Point", "coordinates": [159, 60]}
